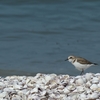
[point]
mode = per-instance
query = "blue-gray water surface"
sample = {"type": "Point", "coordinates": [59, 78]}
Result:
{"type": "Point", "coordinates": [36, 36]}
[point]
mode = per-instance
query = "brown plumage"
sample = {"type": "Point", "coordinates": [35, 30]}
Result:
{"type": "Point", "coordinates": [84, 61]}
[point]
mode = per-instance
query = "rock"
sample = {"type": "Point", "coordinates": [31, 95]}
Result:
{"type": "Point", "coordinates": [88, 76]}
{"type": "Point", "coordinates": [50, 87]}
{"type": "Point", "coordinates": [95, 80]}
{"type": "Point", "coordinates": [79, 81]}
{"type": "Point", "coordinates": [93, 96]}
{"type": "Point", "coordinates": [94, 87]}
{"type": "Point", "coordinates": [3, 94]}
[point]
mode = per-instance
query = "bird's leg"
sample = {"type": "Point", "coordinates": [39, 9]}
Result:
{"type": "Point", "coordinates": [82, 72]}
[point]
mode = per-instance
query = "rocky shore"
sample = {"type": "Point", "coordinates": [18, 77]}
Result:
{"type": "Point", "coordinates": [50, 87]}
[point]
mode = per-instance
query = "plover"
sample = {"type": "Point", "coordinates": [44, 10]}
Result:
{"type": "Point", "coordinates": [80, 63]}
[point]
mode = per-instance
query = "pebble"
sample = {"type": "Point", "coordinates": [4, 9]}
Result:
{"type": "Point", "coordinates": [94, 87]}
{"type": "Point", "coordinates": [50, 87]}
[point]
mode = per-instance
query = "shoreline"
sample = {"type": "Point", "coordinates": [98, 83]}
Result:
{"type": "Point", "coordinates": [50, 87]}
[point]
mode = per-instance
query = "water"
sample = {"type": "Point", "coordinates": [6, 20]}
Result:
{"type": "Point", "coordinates": [37, 36]}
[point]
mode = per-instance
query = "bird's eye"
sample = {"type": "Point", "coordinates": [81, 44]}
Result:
{"type": "Point", "coordinates": [70, 57]}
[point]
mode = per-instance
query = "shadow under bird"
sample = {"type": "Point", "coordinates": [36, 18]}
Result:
{"type": "Point", "coordinates": [80, 63]}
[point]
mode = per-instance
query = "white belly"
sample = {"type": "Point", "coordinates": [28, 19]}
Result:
{"type": "Point", "coordinates": [81, 66]}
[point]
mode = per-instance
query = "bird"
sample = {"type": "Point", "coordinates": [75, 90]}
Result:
{"type": "Point", "coordinates": [80, 63]}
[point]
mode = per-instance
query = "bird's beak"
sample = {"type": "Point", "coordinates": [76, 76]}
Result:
{"type": "Point", "coordinates": [66, 59]}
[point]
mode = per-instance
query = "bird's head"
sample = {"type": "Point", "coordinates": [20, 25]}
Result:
{"type": "Point", "coordinates": [70, 59]}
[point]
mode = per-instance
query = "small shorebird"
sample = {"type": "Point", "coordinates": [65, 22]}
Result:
{"type": "Point", "coordinates": [80, 63]}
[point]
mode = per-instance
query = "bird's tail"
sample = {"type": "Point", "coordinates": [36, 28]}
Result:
{"type": "Point", "coordinates": [95, 63]}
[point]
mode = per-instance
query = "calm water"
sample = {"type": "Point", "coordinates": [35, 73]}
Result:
{"type": "Point", "coordinates": [38, 35]}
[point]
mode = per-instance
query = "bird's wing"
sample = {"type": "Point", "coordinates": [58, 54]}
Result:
{"type": "Point", "coordinates": [83, 61]}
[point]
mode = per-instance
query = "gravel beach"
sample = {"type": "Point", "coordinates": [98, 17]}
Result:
{"type": "Point", "coordinates": [50, 87]}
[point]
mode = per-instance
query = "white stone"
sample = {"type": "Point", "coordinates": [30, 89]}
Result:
{"type": "Point", "coordinates": [16, 86]}
{"type": "Point", "coordinates": [95, 80]}
{"type": "Point", "coordinates": [9, 89]}
{"type": "Point", "coordinates": [88, 91]}
{"type": "Point", "coordinates": [80, 88]}
{"type": "Point", "coordinates": [30, 85]}
{"type": "Point", "coordinates": [2, 84]}
{"type": "Point", "coordinates": [64, 97]}
{"type": "Point", "coordinates": [52, 95]}
{"type": "Point", "coordinates": [78, 77]}
{"type": "Point", "coordinates": [43, 93]}
{"type": "Point", "coordinates": [83, 96]}
{"type": "Point", "coordinates": [34, 97]}
{"type": "Point", "coordinates": [97, 74]}
{"type": "Point", "coordinates": [38, 75]}
{"type": "Point", "coordinates": [16, 97]}
{"type": "Point", "coordinates": [47, 78]}
{"type": "Point", "coordinates": [34, 90]}
{"type": "Point", "coordinates": [25, 86]}
{"type": "Point", "coordinates": [20, 78]}
{"type": "Point", "coordinates": [88, 76]}
{"type": "Point", "coordinates": [98, 84]}
{"type": "Point", "coordinates": [27, 81]}
{"type": "Point", "coordinates": [74, 97]}
{"type": "Point", "coordinates": [69, 87]}
{"type": "Point", "coordinates": [3, 94]}
{"type": "Point", "coordinates": [3, 99]}
{"type": "Point", "coordinates": [72, 81]}
{"type": "Point", "coordinates": [94, 96]}
{"type": "Point", "coordinates": [66, 91]}
{"type": "Point", "coordinates": [94, 87]}
{"type": "Point", "coordinates": [53, 84]}
{"type": "Point", "coordinates": [79, 81]}
{"type": "Point", "coordinates": [88, 84]}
